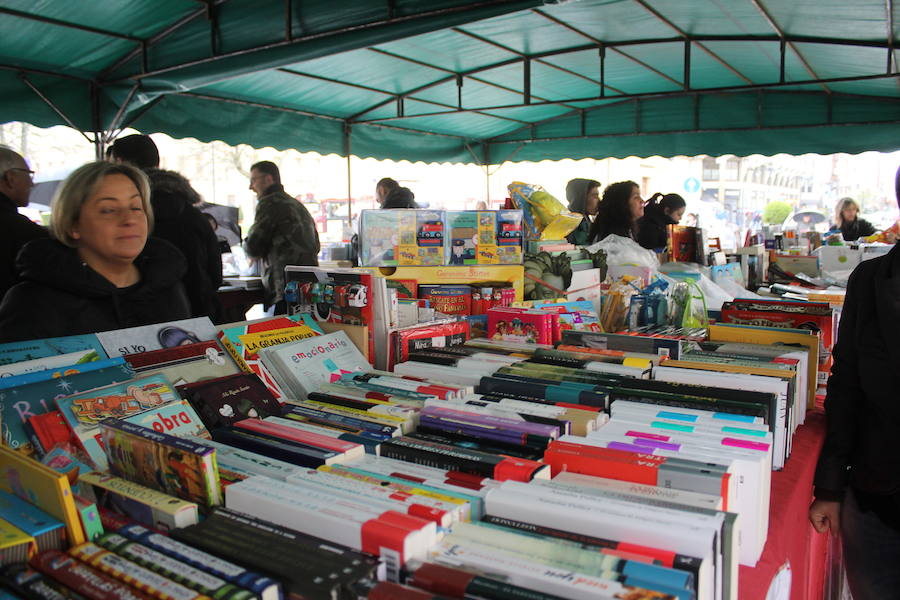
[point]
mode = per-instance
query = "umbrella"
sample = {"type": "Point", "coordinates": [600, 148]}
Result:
{"type": "Point", "coordinates": [808, 216]}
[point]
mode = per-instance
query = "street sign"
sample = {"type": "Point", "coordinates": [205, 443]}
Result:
{"type": "Point", "coordinates": [691, 185]}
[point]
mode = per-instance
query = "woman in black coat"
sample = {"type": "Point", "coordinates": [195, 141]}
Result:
{"type": "Point", "coordinates": [660, 212]}
{"type": "Point", "coordinates": [846, 218]}
{"type": "Point", "coordinates": [100, 271]}
{"type": "Point", "coordinates": [618, 212]}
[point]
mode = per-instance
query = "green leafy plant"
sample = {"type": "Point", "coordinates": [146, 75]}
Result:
{"type": "Point", "coordinates": [776, 212]}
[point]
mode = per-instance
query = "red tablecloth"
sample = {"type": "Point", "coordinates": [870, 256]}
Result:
{"type": "Point", "coordinates": [792, 540]}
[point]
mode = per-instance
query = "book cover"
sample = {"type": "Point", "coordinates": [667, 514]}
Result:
{"type": "Point", "coordinates": [520, 325]}
{"type": "Point", "coordinates": [448, 299]}
{"type": "Point", "coordinates": [47, 430]}
{"type": "Point", "coordinates": [84, 412]}
{"type": "Point", "coordinates": [19, 404]}
{"type": "Point", "coordinates": [49, 362]}
{"type": "Point", "coordinates": [415, 339]}
{"type": "Point", "coordinates": [406, 288]}
{"type": "Point", "coordinates": [42, 486]}
{"type": "Point", "coordinates": [13, 352]}
{"type": "Point", "coordinates": [145, 505]}
{"type": "Point", "coordinates": [176, 466]}
{"type": "Point", "coordinates": [132, 340]}
{"type": "Point", "coordinates": [306, 364]}
{"type": "Point", "coordinates": [185, 364]}
{"type": "Point", "coordinates": [90, 518]}
{"type": "Point", "coordinates": [226, 400]}
{"type": "Point", "coordinates": [176, 418]}
{"type": "Point", "coordinates": [66, 370]}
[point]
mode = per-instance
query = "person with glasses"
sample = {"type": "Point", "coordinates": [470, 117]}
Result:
{"type": "Point", "coordinates": [99, 270]}
{"type": "Point", "coordinates": [17, 229]}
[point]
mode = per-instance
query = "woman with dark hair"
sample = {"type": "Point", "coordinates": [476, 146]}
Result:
{"type": "Point", "coordinates": [846, 218]}
{"type": "Point", "coordinates": [660, 212]}
{"type": "Point", "coordinates": [618, 211]}
{"type": "Point", "coordinates": [583, 196]}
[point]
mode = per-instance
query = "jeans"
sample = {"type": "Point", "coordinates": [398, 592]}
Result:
{"type": "Point", "coordinates": [871, 553]}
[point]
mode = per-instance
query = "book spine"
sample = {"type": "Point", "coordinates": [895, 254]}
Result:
{"type": "Point", "coordinates": [336, 425]}
{"type": "Point", "coordinates": [158, 438]}
{"type": "Point", "coordinates": [173, 569]}
{"type": "Point", "coordinates": [83, 579]}
{"type": "Point", "coordinates": [229, 347]}
{"type": "Point", "coordinates": [143, 504]}
{"type": "Point", "coordinates": [259, 584]}
{"type": "Point", "coordinates": [290, 453]}
{"type": "Point", "coordinates": [491, 420]}
{"type": "Point", "coordinates": [133, 574]}
{"type": "Point", "coordinates": [29, 584]}
{"type": "Point", "coordinates": [293, 434]}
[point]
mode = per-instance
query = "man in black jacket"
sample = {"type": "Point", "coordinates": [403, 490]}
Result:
{"type": "Point", "coordinates": [857, 482]}
{"type": "Point", "coordinates": [15, 187]}
{"type": "Point", "coordinates": [179, 222]}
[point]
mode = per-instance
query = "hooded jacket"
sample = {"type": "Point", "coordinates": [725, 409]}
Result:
{"type": "Point", "coordinates": [177, 221]}
{"type": "Point", "coordinates": [60, 295]}
{"type": "Point", "coordinates": [653, 232]}
{"type": "Point", "coordinates": [576, 195]}
{"type": "Point", "coordinates": [400, 198]}
{"type": "Point", "coordinates": [17, 230]}
{"type": "Point", "coordinates": [283, 233]}
{"type": "Point", "coordinates": [861, 404]}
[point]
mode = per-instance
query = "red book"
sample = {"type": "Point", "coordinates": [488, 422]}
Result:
{"type": "Point", "coordinates": [83, 579]}
{"type": "Point", "coordinates": [301, 437]}
{"type": "Point", "coordinates": [49, 429]}
{"type": "Point", "coordinates": [425, 338]}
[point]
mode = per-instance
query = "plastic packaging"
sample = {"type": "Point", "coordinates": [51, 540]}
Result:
{"type": "Point", "coordinates": [545, 217]}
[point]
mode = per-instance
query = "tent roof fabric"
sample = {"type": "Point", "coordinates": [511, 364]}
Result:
{"type": "Point", "coordinates": [449, 80]}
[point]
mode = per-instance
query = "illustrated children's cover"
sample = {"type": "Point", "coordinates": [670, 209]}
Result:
{"type": "Point", "coordinates": [402, 237]}
{"type": "Point", "coordinates": [520, 325]}
{"type": "Point", "coordinates": [13, 352]}
{"type": "Point", "coordinates": [176, 418]}
{"type": "Point", "coordinates": [18, 404]}
{"type": "Point", "coordinates": [132, 340]}
{"type": "Point", "coordinates": [176, 466]}
{"type": "Point", "coordinates": [185, 364]}
{"type": "Point", "coordinates": [84, 412]}
{"type": "Point", "coordinates": [226, 400]}
{"type": "Point", "coordinates": [487, 237]}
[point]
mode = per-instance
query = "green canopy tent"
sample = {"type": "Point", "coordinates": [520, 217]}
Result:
{"type": "Point", "coordinates": [448, 80]}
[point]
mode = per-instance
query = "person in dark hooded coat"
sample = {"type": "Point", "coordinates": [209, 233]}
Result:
{"type": "Point", "coordinates": [583, 196]}
{"type": "Point", "coordinates": [100, 270]}
{"type": "Point", "coordinates": [400, 198]}
{"type": "Point", "coordinates": [660, 212]}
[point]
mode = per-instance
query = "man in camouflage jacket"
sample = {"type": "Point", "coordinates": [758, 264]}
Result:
{"type": "Point", "coordinates": [283, 233]}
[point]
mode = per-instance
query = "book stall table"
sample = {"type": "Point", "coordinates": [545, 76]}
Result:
{"type": "Point", "coordinates": [794, 553]}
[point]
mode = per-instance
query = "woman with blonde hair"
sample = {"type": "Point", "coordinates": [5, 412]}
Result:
{"type": "Point", "coordinates": [846, 218]}
{"type": "Point", "coordinates": [99, 270]}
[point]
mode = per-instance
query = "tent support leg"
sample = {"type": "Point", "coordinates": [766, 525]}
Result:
{"type": "Point", "coordinates": [347, 149]}
{"type": "Point", "coordinates": [53, 106]}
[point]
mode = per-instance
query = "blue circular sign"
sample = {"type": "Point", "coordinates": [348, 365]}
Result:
{"type": "Point", "coordinates": [691, 185]}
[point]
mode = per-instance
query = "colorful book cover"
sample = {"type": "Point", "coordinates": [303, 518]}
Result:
{"type": "Point", "coordinates": [448, 299]}
{"type": "Point", "coordinates": [16, 546]}
{"type": "Point", "coordinates": [13, 352]}
{"type": "Point", "coordinates": [47, 430]}
{"type": "Point", "coordinates": [177, 418]}
{"type": "Point", "coordinates": [42, 486]}
{"type": "Point", "coordinates": [90, 518]}
{"type": "Point", "coordinates": [176, 466]}
{"type": "Point", "coordinates": [520, 325]}
{"type": "Point", "coordinates": [58, 372]}
{"type": "Point", "coordinates": [84, 412]}
{"type": "Point", "coordinates": [48, 532]}
{"type": "Point", "coordinates": [306, 364]}
{"type": "Point", "coordinates": [226, 400]}
{"type": "Point", "coordinates": [484, 237]}
{"type": "Point", "coordinates": [185, 364]}
{"type": "Point", "coordinates": [416, 339]}
{"type": "Point", "coordinates": [402, 238]}
{"type": "Point", "coordinates": [19, 404]}
{"type": "Point", "coordinates": [133, 340]}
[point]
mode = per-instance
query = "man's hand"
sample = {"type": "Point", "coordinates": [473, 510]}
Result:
{"type": "Point", "coordinates": [825, 515]}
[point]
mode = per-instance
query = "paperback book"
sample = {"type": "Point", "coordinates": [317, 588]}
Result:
{"type": "Point", "coordinates": [225, 400]}
{"type": "Point", "coordinates": [119, 342]}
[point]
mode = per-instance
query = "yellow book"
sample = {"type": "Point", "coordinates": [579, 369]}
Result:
{"type": "Point", "coordinates": [43, 487]}
{"type": "Point", "coordinates": [406, 424]}
{"type": "Point", "coordinates": [16, 546]}
{"type": "Point", "coordinates": [773, 336]}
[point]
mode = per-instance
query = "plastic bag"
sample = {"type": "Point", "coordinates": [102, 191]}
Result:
{"type": "Point", "coordinates": [622, 251]}
{"type": "Point", "coordinates": [545, 217]}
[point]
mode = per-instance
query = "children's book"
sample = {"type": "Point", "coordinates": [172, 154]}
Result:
{"type": "Point", "coordinates": [66, 370]}
{"type": "Point", "coordinates": [520, 325]}
{"type": "Point", "coordinates": [176, 418]}
{"type": "Point", "coordinates": [448, 299]}
{"type": "Point", "coordinates": [48, 532]}
{"type": "Point", "coordinates": [13, 352]}
{"type": "Point", "coordinates": [244, 341]}
{"type": "Point", "coordinates": [172, 465]}
{"type": "Point", "coordinates": [185, 364]}
{"type": "Point", "coordinates": [304, 365]}
{"type": "Point", "coordinates": [19, 404]}
{"type": "Point", "coordinates": [226, 400]}
{"type": "Point", "coordinates": [49, 362]}
{"type": "Point", "coordinates": [84, 412]}
{"type": "Point", "coordinates": [16, 546]}
{"type": "Point", "coordinates": [132, 340]}
{"type": "Point", "coordinates": [42, 486]}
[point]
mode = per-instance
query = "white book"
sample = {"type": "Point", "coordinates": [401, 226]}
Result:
{"type": "Point", "coordinates": [119, 342]}
{"type": "Point", "coordinates": [687, 415]}
{"type": "Point", "coordinates": [306, 364]}
{"type": "Point", "coordinates": [249, 462]}
{"type": "Point", "coordinates": [528, 573]}
{"type": "Point", "coordinates": [338, 521]}
{"type": "Point", "coordinates": [442, 513]}
{"type": "Point", "coordinates": [634, 524]}
{"type": "Point", "coordinates": [441, 373]}
{"type": "Point", "coordinates": [738, 381]}
{"type": "Point", "coordinates": [641, 490]}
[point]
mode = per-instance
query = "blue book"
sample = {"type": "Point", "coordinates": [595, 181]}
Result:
{"type": "Point", "coordinates": [18, 404]}
{"type": "Point", "coordinates": [265, 587]}
{"type": "Point", "coordinates": [47, 531]}
{"type": "Point", "coordinates": [13, 352]}
{"type": "Point", "coordinates": [56, 373]}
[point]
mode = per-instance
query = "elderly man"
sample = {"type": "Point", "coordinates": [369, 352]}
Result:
{"type": "Point", "coordinates": [15, 187]}
{"type": "Point", "coordinates": [283, 233]}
